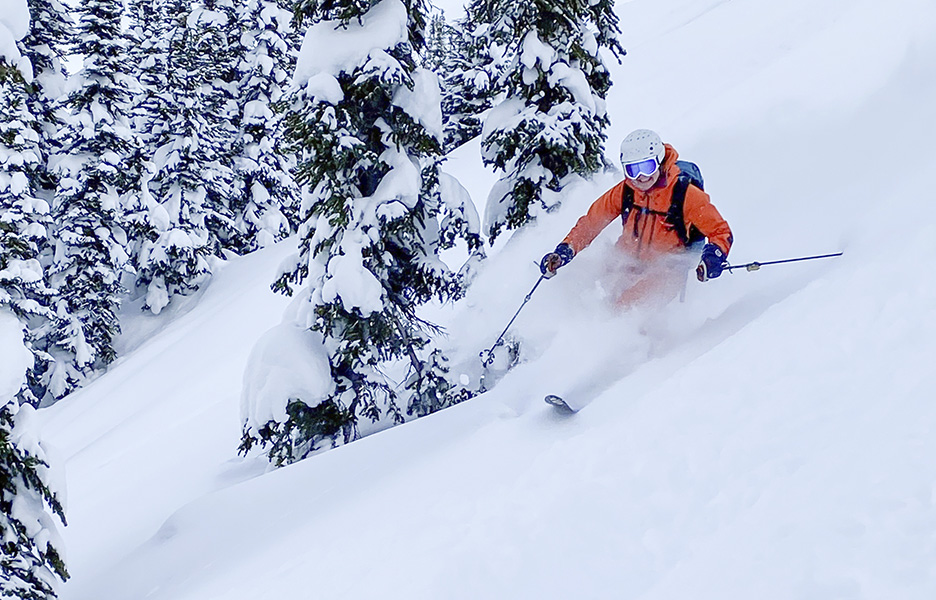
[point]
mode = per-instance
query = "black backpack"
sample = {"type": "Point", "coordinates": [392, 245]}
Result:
{"type": "Point", "coordinates": [689, 174]}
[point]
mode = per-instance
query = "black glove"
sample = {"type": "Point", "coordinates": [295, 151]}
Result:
{"type": "Point", "coordinates": [712, 264]}
{"type": "Point", "coordinates": [555, 259]}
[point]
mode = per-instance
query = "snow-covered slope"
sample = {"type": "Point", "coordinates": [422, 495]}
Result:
{"type": "Point", "coordinates": [771, 437]}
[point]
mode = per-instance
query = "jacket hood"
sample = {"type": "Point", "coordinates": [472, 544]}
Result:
{"type": "Point", "coordinates": [669, 168]}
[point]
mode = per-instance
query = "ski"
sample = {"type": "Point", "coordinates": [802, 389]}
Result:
{"type": "Point", "coordinates": [559, 403]}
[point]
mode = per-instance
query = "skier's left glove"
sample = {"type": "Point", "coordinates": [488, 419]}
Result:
{"type": "Point", "coordinates": [712, 264]}
{"type": "Point", "coordinates": [555, 259]}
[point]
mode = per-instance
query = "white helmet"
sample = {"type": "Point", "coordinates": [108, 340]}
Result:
{"type": "Point", "coordinates": [641, 145]}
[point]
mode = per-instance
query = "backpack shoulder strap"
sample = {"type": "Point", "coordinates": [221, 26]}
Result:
{"type": "Point", "coordinates": [675, 216]}
{"type": "Point", "coordinates": [627, 202]}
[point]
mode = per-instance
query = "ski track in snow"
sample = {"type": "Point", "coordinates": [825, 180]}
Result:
{"type": "Point", "coordinates": [769, 438]}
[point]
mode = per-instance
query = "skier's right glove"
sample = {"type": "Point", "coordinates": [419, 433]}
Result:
{"type": "Point", "coordinates": [555, 259]}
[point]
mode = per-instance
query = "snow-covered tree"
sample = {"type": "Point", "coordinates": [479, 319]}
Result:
{"type": "Point", "coordinates": [438, 43]}
{"type": "Point", "coordinates": [268, 208]}
{"type": "Point", "coordinates": [30, 547]}
{"type": "Point", "coordinates": [25, 221]}
{"type": "Point", "coordinates": [95, 174]}
{"type": "Point", "coordinates": [147, 37]}
{"type": "Point", "coordinates": [550, 127]}
{"type": "Point", "coordinates": [30, 557]}
{"type": "Point", "coordinates": [45, 44]}
{"type": "Point", "coordinates": [471, 71]}
{"type": "Point", "coordinates": [50, 38]}
{"type": "Point", "coordinates": [31, 562]}
{"type": "Point", "coordinates": [188, 213]}
{"type": "Point", "coordinates": [366, 123]}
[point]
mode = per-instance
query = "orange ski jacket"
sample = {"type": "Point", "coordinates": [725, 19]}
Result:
{"type": "Point", "coordinates": [645, 234]}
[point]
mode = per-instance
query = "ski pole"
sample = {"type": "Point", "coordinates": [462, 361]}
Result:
{"type": "Point", "coordinates": [754, 266]}
{"type": "Point", "coordinates": [487, 356]}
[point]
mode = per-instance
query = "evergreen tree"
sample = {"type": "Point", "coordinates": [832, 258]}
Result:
{"type": "Point", "coordinates": [25, 224]}
{"type": "Point", "coordinates": [551, 125]}
{"type": "Point", "coordinates": [438, 43]}
{"type": "Point", "coordinates": [472, 69]}
{"type": "Point", "coordinates": [50, 38]}
{"type": "Point", "coordinates": [188, 201]}
{"type": "Point", "coordinates": [95, 175]}
{"type": "Point", "coordinates": [30, 560]}
{"type": "Point", "coordinates": [366, 123]}
{"type": "Point", "coordinates": [148, 47]}
{"type": "Point", "coordinates": [148, 40]}
{"type": "Point", "coordinates": [267, 210]}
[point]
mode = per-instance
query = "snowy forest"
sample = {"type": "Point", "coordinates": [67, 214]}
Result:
{"type": "Point", "coordinates": [146, 142]}
{"type": "Point", "coordinates": [267, 316]}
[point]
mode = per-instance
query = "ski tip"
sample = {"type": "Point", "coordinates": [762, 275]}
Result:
{"type": "Point", "coordinates": [559, 403]}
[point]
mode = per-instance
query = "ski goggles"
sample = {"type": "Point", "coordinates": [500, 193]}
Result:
{"type": "Point", "coordinates": [646, 167]}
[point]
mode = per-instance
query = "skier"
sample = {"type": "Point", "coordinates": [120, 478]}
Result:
{"type": "Point", "coordinates": [661, 217]}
